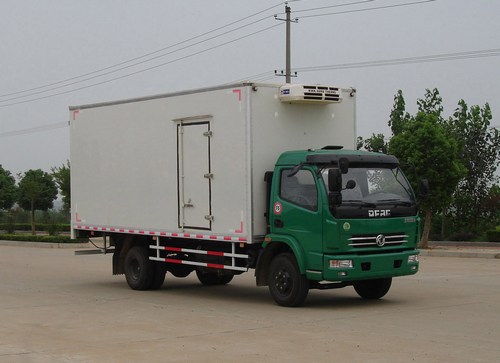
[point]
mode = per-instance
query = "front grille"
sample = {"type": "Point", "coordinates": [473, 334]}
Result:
{"type": "Point", "coordinates": [390, 239]}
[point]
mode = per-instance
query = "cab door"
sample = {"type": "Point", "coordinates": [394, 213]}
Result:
{"type": "Point", "coordinates": [296, 212]}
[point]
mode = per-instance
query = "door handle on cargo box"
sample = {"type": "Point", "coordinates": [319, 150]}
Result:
{"type": "Point", "coordinates": [279, 223]}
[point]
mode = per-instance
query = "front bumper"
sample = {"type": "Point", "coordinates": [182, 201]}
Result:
{"type": "Point", "coordinates": [370, 266]}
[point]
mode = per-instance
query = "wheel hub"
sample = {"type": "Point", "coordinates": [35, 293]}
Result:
{"type": "Point", "coordinates": [282, 281]}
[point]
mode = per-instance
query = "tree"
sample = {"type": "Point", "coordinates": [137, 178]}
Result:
{"type": "Point", "coordinates": [37, 191]}
{"type": "Point", "coordinates": [480, 154]}
{"type": "Point", "coordinates": [61, 176]}
{"type": "Point", "coordinates": [427, 151]}
{"type": "Point", "coordinates": [8, 189]}
{"type": "Point", "coordinates": [491, 206]}
{"type": "Point", "coordinates": [399, 117]}
{"type": "Point", "coordinates": [376, 143]}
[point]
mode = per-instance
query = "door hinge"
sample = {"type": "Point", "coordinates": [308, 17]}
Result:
{"type": "Point", "coordinates": [209, 217]}
{"type": "Point", "coordinates": [208, 134]}
{"type": "Point", "coordinates": [208, 176]}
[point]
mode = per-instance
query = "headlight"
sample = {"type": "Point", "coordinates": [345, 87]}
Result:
{"type": "Point", "coordinates": [340, 263]}
{"type": "Point", "coordinates": [413, 259]}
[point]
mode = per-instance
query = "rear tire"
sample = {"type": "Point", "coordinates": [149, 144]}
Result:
{"type": "Point", "coordinates": [372, 289]}
{"type": "Point", "coordinates": [159, 275]}
{"type": "Point", "coordinates": [139, 270]}
{"type": "Point", "coordinates": [287, 285]}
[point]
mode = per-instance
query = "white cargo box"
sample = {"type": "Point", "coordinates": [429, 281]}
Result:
{"type": "Point", "coordinates": [192, 164]}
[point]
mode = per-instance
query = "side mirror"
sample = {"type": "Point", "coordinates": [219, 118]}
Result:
{"type": "Point", "coordinates": [343, 165]}
{"type": "Point", "coordinates": [351, 184]}
{"type": "Point", "coordinates": [334, 180]}
{"type": "Point", "coordinates": [334, 187]}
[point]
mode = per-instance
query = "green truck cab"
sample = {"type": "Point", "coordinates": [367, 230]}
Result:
{"type": "Point", "coordinates": [337, 218]}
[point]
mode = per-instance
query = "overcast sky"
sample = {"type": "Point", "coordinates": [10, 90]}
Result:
{"type": "Point", "coordinates": [51, 52]}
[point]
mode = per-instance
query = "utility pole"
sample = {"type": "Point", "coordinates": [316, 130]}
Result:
{"type": "Point", "coordinates": [288, 56]}
{"type": "Point", "coordinates": [288, 61]}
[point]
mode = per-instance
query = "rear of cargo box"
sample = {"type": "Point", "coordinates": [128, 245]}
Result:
{"type": "Point", "coordinates": [191, 164]}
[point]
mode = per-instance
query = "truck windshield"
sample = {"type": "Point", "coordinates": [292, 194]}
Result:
{"type": "Point", "coordinates": [368, 188]}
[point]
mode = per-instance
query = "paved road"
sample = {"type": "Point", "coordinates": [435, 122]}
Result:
{"type": "Point", "coordinates": [57, 307]}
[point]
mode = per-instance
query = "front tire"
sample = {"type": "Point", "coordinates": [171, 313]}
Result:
{"type": "Point", "coordinates": [373, 289]}
{"type": "Point", "coordinates": [287, 285]}
{"type": "Point", "coordinates": [139, 271]}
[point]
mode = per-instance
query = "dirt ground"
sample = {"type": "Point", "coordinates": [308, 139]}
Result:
{"type": "Point", "coordinates": [58, 307]}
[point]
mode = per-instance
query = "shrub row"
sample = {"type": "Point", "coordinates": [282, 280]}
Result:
{"type": "Point", "coordinates": [46, 239]}
{"type": "Point", "coordinates": [493, 236]}
{"type": "Point", "coordinates": [38, 227]}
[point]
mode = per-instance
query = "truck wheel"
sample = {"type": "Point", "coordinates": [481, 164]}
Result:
{"type": "Point", "coordinates": [286, 284]}
{"type": "Point", "coordinates": [139, 271]}
{"type": "Point", "coordinates": [372, 289]}
{"type": "Point", "coordinates": [159, 275]}
{"type": "Point", "coordinates": [213, 278]}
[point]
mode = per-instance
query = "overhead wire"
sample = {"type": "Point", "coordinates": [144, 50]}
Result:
{"type": "Point", "coordinates": [99, 73]}
{"type": "Point", "coordinates": [367, 9]}
{"type": "Point", "coordinates": [148, 54]}
{"type": "Point", "coordinates": [32, 130]}
{"type": "Point", "coordinates": [142, 70]}
{"type": "Point", "coordinates": [494, 52]}
{"type": "Point", "coordinates": [130, 65]}
{"type": "Point", "coordinates": [109, 70]}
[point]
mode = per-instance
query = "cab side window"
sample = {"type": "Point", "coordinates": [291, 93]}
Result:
{"type": "Point", "coordinates": [299, 189]}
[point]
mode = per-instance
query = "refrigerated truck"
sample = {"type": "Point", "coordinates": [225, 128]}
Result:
{"type": "Point", "coordinates": [247, 176]}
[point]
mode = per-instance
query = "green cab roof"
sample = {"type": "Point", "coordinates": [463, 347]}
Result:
{"type": "Point", "coordinates": [331, 156]}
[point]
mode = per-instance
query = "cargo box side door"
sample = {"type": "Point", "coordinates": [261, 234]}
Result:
{"type": "Point", "coordinates": [194, 175]}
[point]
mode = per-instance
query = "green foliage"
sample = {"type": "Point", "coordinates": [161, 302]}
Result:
{"type": "Point", "coordinates": [399, 117]}
{"type": "Point", "coordinates": [426, 151]}
{"type": "Point", "coordinates": [473, 203]}
{"type": "Point", "coordinates": [432, 103]}
{"type": "Point", "coordinates": [61, 176]}
{"type": "Point", "coordinates": [47, 239]}
{"type": "Point", "coordinates": [37, 191]}
{"type": "Point", "coordinates": [8, 190]}
{"type": "Point", "coordinates": [39, 227]}
{"type": "Point", "coordinates": [376, 143]}
{"type": "Point", "coordinates": [493, 236]}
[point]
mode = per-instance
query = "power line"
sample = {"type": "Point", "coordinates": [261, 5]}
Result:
{"type": "Point", "coordinates": [99, 73]}
{"type": "Point", "coordinates": [270, 75]}
{"type": "Point", "coordinates": [368, 9]}
{"type": "Point", "coordinates": [494, 52]}
{"type": "Point", "coordinates": [32, 130]}
{"type": "Point", "coordinates": [125, 67]}
{"type": "Point", "coordinates": [334, 6]}
{"type": "Point", "coordinates": [146, 55]}
{"type": "Point", "coordinates": [408, 60]}
{"type": "Point", "coordinates": [142, 70]}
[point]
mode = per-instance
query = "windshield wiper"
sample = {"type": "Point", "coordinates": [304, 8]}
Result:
{"type": "Point", "coordinates": [397, 202]}
{"type": "Point", "coordinates": [359, 202]}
